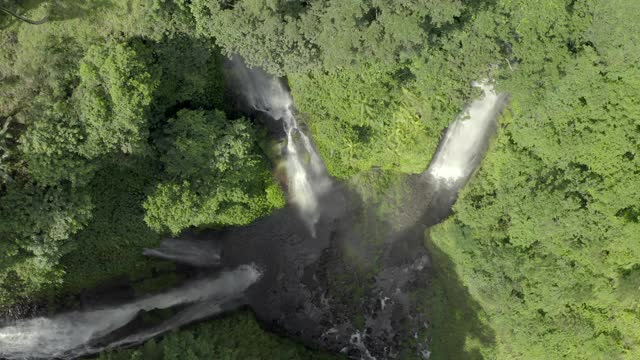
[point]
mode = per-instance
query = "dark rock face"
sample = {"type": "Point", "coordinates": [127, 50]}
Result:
{"type": "Point", "coordinates": [340, 291]}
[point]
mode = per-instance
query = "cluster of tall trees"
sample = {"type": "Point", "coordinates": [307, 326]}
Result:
{"type": "Point", "coordinates": [101, 104]}
{"type": "Point", "coordinates": [545, 237]}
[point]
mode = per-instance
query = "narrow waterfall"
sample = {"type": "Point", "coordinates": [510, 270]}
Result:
{"type": "Point", "coordinates": [71, 335]}
{"type": "Point", "coordinates": [187, 252]}
{"type": "Point", "coordinates": [463, 145]}
{"type": "Point", "coordinates": [307, 177]}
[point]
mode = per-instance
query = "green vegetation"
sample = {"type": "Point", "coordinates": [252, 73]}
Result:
{"type": "Point", "coordinates": [101, 251]}
{"type": "Point", "coordinates": [547, 235]}
{"type": "Point", "coordinates": [234, 337]}
{"type": "Point", "coordinates": [216, 174]}
{"type": "Point", "coordinates": [363, 118]}
{"type": "Point", "coordinates": [112, 134]}
{"type": "Point", "coordinates": [296, 37]}
{"type": "Point", "coordinates": [113, 129]}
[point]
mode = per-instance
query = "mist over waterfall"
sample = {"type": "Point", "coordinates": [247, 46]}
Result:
{"type": "Point", "coordinates": [78, 333]}
{"type": "Point", "coordinates": [307, 177]}
{"type": "Point", "coordinates": [463, 145]}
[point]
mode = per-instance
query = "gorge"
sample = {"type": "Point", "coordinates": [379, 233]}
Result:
{"type": "Point", "coordinates": [286, 267]}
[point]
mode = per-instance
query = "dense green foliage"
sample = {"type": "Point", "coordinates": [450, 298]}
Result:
{"type": "Point", "coordinates": [39, 221]}
{"type": "Point", "coordinates": [215, 175]}
{"type": "Point", "coordinates": [298, 36]}
{"type": "Point", "coordinates": [236, 337]}
{"type": "Point", "coordinates": [361, 118]}
{"type": "Point", "coordinates": [547, 235]}
{"type": "Point", "coordinates": [101, 251]}
{"type": "Point", "coordinates": [111, 114]}
{"type": "Point", "coordinates": [353, 70]}
{"type": "Point", "coordinates": [102, 113]}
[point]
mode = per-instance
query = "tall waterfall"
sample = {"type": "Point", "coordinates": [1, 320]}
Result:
{"type": "Point", "coordinates": [74, 334]}
{"type": "Point", "coordinates": [307, 177]}
{"type": "Point", "coordinates": [464, 142]}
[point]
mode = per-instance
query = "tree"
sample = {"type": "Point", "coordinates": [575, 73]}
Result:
{"type": "Point", "coordinates": [367, 117]}
{"type": "Point", "coordinates": [105, 115]}
{"type": "Point", "coordinates": [35, 226]}
{"type": "Point", "coordinates": [116, 87]}
{"type": "Point", "coordinates": [266, 34]}
{"type": "Point", "coordinates": [190, 75]}
{"type": "Point", "coordinates": [295, 37]}
{"type": "Point", "coordinates": [215, 174]}
{"type": "Point", "coordinates": [237, 336]}
{"type": "Point", "coordinates": [80, 96]}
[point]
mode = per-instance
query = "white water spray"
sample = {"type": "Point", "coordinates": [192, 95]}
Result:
{"type": "Point", "coordinates": [465, 140]}
{"type": "Point", "coordinates": [307, 176]}
{"type": "Point", "coordinates": [194, 253]}
{"type": "Point", "coordinates": [70, 335]}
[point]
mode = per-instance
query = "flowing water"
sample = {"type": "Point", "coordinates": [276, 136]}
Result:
{"type": "Point", "coordinates": [282, 251]}
{"type": "Point", "coordinates": [463, 145]}
{"type": "Point", "coordinates": [186, 252]}
{"type": "Point", "coordinates": [307, 177]}
{"type": "Point", "coordinates": [70, 335]}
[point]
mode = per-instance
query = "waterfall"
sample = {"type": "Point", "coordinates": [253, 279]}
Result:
{"type": "Point", "coordinates": [81, 333]}
{"type": "Point", "coordinates": [190, 314]}
{"type": "Point", "coordinates": [71, 335]}
{"type": "Point", "coordinates": [307, 177]}
{"type": "Point", "coordinates": [194, 253]}
{"type": "Point", "coordinates": [465, 141]}
{"type": "Point", "coordinates": [306, 181]}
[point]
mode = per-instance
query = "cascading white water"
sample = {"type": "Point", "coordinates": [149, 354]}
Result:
{"type": "Point", "coordinates": [307, 181]}
{"type": "Point", "coordinates": [190, 314]}
{"type": "Point", "coordinates": [194, 253]}
{"type": "Point", "coordinates": [465, 140]}
{"type": "Point", "coordinates": [307, 176]}
{"type": "Point", "coordinates": [69, 335]}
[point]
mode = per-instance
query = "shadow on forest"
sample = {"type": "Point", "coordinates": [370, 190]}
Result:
{"type": "Point", "coordinates": [457, 330]}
